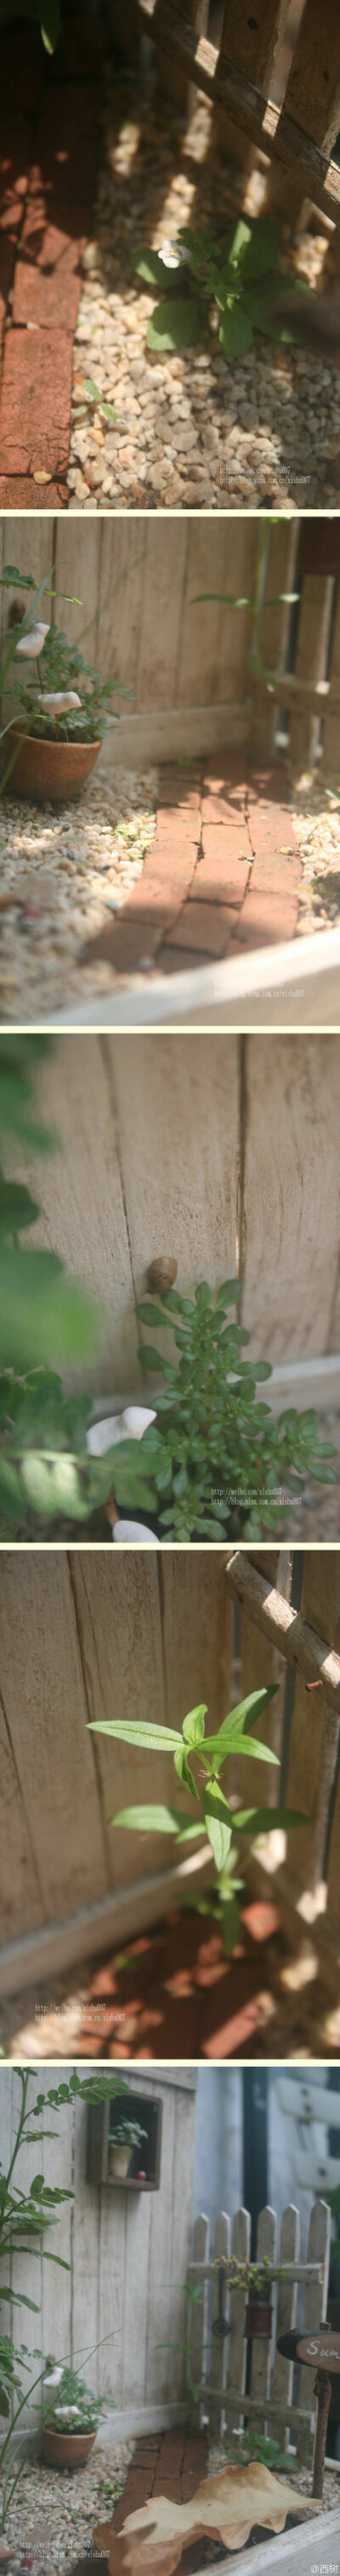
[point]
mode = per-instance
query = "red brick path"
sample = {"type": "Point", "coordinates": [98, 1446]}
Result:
{"type": "Point", "coordinates": [170, 2464]}
{"type": "Point", "coordinates": [48, 145]}
{"type": "Point", "coordinates": [172, 1994]}
{"type": "Point", "coordinates": [222, 873]}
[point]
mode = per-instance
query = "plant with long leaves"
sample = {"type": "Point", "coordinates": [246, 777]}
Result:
{"type": "Point", "coordinates": [222, 1825]}
{"type": "Point", "coordinates": [236, 273]}
{"type": "Point", "coordinates": [26, 2218]}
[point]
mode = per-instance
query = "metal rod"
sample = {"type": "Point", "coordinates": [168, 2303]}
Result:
{"type": "Point", "coordinates": [323, 2392]}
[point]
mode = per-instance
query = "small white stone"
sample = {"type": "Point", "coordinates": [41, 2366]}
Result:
{"type": "Point", "coordinates": [132, 1533]}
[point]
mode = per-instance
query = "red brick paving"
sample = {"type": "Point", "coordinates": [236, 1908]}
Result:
{"type": "Point", "coordinates": [171, 2464]}
{"type": "Point", "coordinates": [221, 875]}
{"type": "Point", "coordinates": [175, 1996]}
{"type": "Point", "coordinates": [48, 144]}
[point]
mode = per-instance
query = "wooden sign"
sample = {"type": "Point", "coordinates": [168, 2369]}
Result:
{"type": "Point", "coordinates": [320, 2350]}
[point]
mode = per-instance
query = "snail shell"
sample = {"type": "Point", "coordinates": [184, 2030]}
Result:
{"type": "Point", "coordinates": [161, 1275]}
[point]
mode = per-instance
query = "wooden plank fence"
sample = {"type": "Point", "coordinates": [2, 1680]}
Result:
{"type": "Point", "coordinates": [90, 1633]}
{"type": "Point", "coordinates": [216, 2368]}
{"type": "Point", "coordinates": [236, 77]}
{"type": "Point", "coordinates": [154, 1135]}
{"type": "Point", "coordinates": [189, 667]}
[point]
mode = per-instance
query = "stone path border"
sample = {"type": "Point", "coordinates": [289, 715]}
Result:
{"type": "Point", "coordinates": [222, 875]}
{"type": "Point", "coordinates": [48, 151]}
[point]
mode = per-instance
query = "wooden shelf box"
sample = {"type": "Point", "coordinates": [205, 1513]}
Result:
{"type": "Point", "coordinates": [104, 2119]}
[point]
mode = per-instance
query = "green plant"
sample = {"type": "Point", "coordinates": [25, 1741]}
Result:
{"type": "Point", "coordinates": [73, 2399]}
{"type": "Point", "coordinates": [222, 1825]}
{"type": "Point", "coordinates": [26, 2217]}
{"type": "Point", "coordinates": [237, 273]}
{"type": "Point", "coordinates": [129, 2134]}
{"type": "Point", "coordinates": [66, 697]}
{"type": "Point", "coordinates": [94, 397]}
{"type": "Point", "coordinates": [42, 13]}
{"type": "Point", "coordinates": [255, 2446]}
{"type": "Point", "coordinates": [217, 1463]}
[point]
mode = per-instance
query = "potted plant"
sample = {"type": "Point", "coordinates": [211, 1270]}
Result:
{"type": "Point", "coordinates": [62, 712]}
{"type": "Point", "coordinates": [69, 2426]}
{"type": "Point", "coordinates": [258, 2316]}
{"type": "Point", "coordinates": [127, 2136]}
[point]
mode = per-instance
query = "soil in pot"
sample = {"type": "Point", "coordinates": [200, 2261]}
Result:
{"type": "Point", "coordinates": [48, 772]}
{"type": "Point", "coordinates": [66, 2450]}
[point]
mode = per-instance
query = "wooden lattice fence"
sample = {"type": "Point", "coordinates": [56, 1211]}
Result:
{"type": "Point", "coordinates": [237, 74]}
{"type": "Point", "coordinates": [217, 2368]}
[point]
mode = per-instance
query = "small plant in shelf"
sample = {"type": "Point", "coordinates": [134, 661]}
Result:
{"type": "Point", "coordinates": [124, 2138]}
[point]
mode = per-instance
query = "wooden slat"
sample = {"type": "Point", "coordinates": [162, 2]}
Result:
{"type": "Point", "coordinates": [310, 663]}
{"type": "Point", "coordinates": [21, 1897]}
{"type": "Point", "coordinates": [178, 1124]}
{"type": "Point", "coordinates": [55, 2161]}
{"type": "Point", "coordinates": [176, 2237]}
{"type": "Point", "coordinates": [237, 2346]}
{"type": "Point", "coordinates": [282, 2385]}
{"type": "Point", "coordinates": [162, 2372]}
{"type": "Point", "coordinates": [261, 2350]}
{"type": "Point", "coordinates": [290, 1254]}
{"type": "Point", "coordinates": [315, 2301]}
{"type": "Point", "coordinates": [46, 1712]}
{"type": "Point", "coordinates": [218, 2352]}
{"type": "Point", "coordinates": [80, 1190]}
{"type": "Point", "coordinates": [330, 738]}
{"type": "Point", "coordinates": [258, 118]}
{"type": "Point", "coordinates": [118, 1610]}
{"type": "Point", "coordinates": [280, 577]}
{"type": "Point", "coordinates": [320, 1604]}
{"type": "Point", "coordinates": [221, 558]}
{"type": "Point", "coordinates": [251, 42]}
{"type": "Point", "coordinates": [161, 611]}
{"type": "Point", "coordinates": [172, 80]}
{"type": "Point", "coordinates": [197, 1635]}
{"type": "Point", "coordinates": [312, 95]}
{"type": "Point", "coordinates": [197, 2329]}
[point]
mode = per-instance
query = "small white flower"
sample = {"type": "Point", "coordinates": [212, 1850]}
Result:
{"type": "Point", "coordinates": [172, 254]}
{"type": "Point", "coordinates": [56, 702]}
{"type": "Point", "coordinates": [32, 644]}
{"type": "Point", "coordinates": [67, 2410]}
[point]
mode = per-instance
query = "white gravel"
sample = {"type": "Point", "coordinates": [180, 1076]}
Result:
{"type": "Point", "coordinates": [67, 867]}
{"type": "Point", "coordinates": [194, 431]}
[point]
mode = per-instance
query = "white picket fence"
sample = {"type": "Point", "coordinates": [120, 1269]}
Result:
{"type": "Point", "coordinates": [218, 2368]}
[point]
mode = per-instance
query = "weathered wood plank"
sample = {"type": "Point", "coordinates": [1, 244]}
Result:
{"type": "Point", "coordinates": [218, 2350]}
{"type": "Point", "coordinates": [21, 1899]}
{"type": "Point", "coordinates": [198, 2322]}
{"type": "Point", "coordinates": [310, 663]}
{"type": "Point", "coordinates": [222, 558]}
{"type": "Point", "coordinates": [289, 1256]}
{"type": "Point", "coordinates": [315, 2301]}
{"type": "Point", "coordinates": [80, 1190]}
{"type": "Point", "coordinates": [330, 738]}
{"type": "Point", "coordinates": [177, 1120]}
{"type": "Point", "coordinates": [261, 1665]}
{"type": "Point", "coordinates": [251, 42]}
{"type": "Point", "coordinates": [118, 1609]}
{"type": "Point", "coordinates": [197, 1635]}
{"type": "Point", "coordinates": [237, 2346]}
{"type": "Point", "coordinates": [320, 1604]}
{"type": "Point", "coordinates": [261, 2350]}
{"type": "Point", "coordinates": [47, 1720]}
{"type": "Point", "coordinates": [282, 2383]}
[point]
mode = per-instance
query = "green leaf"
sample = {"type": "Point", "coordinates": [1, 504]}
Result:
{"type": "Point", "coordinates": [238, 1722]}
{"type": "Point", "coordinates": [193, 1725]}
{"type": "Point", "coordinates": [49, 13]}
{"type": "Point", "coordinates": [183, 1771]}
{"type": "Point", "coordinates": [149, 266]}
{"type": "Point", "coordinates": [140, 1731]}
{"type": "Point", "coordinates": [91, 389]}
{"type": "Point", "coordinates": [11, 579]}
{"type": "Point", "coordinates": [17, 1209]}
{"type": "Point", "coordinates": [257, 252]}
{"type": "Point", "coordinates": [218, 1823]}
{"type": "Point", "coordinates": [42, 1313]}
{"type": "Point", "coordinates": [249, 1745]}
{"type": "Point", "coordinates": [175, 325]}
{"type": "Point", "coordinates": [150, 1358]}
{"type": "Point", "coordinates": [155, 1820]}
{"type": "Point", "coordinates": [236, 331]}
{"type": "Point", "coordinates": [265, 1820]}
{"type": "Point", "coordinates": [150, 1314]}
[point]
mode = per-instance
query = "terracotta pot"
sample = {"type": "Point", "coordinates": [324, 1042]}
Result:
{"type": "Point", "coordinates": [49, 772]}
{"type": "Point", "coordinates": [119, 2160]}
{"type": "Point", "coordinates": [258, 2317]}
{"type": "Point", "coordinates": [66, 2450]}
